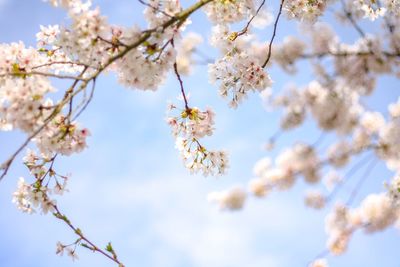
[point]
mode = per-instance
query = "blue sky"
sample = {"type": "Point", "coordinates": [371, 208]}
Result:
{"type": "Point", "coordinates": [130, 187]}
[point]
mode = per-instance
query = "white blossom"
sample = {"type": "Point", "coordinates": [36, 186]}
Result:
{"type": "Point", "coordinates": [237, 74]}
{"type": "Point", "coordinates": [315, 200]}
{"type": "Point", "coordinates": [228, 11]}
{"type": "Point", "coordinates": [232, 199]}
{"type": "Point", "coordinates": [319, 263]}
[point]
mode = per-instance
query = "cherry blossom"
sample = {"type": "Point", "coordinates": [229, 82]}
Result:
{"type": "Point", "coordinates": [345, 73]}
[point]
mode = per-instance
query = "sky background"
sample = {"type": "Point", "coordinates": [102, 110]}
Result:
{"type": "Point", "coordinates": [130, 187]}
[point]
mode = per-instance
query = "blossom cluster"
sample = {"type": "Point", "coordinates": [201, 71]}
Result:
{"type": "Point", "coordinates": [24, 99]}
{"type": "Point", "coordinates": [319, 263]}
{"type": "Point", "coordinates": [36, 196]}
{"type": "Point", "coordinates": [240, 69]}
{"type": "Point", "coordinates": [185, 51]}
{"type": "Point", "coordinates": [232, 199]}
{"type": "Point", "coordinates": [229, 11]}
{"type": "Point", "coordinates": [345, 74]}
{"type": "Point", "coordinates": [334, 108]}
{"type": "Point", "coordinates": [300, 160]}
{"type": "Point", "coordinates": [305, 10]}
{"type": "Point", "coordinates": [375, 213]}
{"type": "Point", "coordinates": [188, 127]}
{"type": "Point", "coordinates": [370, 9]}
{"type": "Point", "coordinates": [238, 74]}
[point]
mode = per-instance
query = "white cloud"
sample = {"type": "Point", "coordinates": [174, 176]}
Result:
{"type": "Point", "coordinates": [180, 226]}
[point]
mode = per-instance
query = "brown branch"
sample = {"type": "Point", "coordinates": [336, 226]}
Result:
{"type": "Point", "coordinates": [349, 54]}
{"type": "Point", "coordinates": [88, 101]}
{"type": "Point", "coordinates": [145, 35]}
{"type": "Point", "coordinates": [273, 34]}
{"type": "Point", "coordinates": [59, 63]}
{"type": "Point", "coordinates": [155, 8]}
{"type": "Point", "coordinates": [178, 76]}
{"type": "Point", "coordinates": [245, 29]}
{"type": "Point", "coordinates": [39, 73]}
{"type": "Point", "coordinates": [350, 17]}
{"type": "Point", "coordinates": [79, 232]}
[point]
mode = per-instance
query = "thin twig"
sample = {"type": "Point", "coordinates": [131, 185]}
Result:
{"type": "Point", "coordinates": [178, 76]}
{"type": "Point", "coordinates": [155, 8]}
{"type": "Point", "coordinates": [79, 232]}
{"type": "Point", "coordinates": [273, 34]}
{"type": "Point", "coordinates": [39, 73]}
{"type": "Point", "coordinates": [348, 175]}
{"type": "Point", "coordinates": [88, 101]}
{"type": "Point", "coordinates": [245, 29]}
{"type": "Point", "coordinates": [348, 54]}
{"type": "Point", "coordinates": [350, 17]}
{"type": "Point", "coordinates": [361, 181]}
{"type": "Point", "coordinates": [59, 63]}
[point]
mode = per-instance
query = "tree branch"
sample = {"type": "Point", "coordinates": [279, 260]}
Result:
{"type": "Point", "coordinates": [273, 35]}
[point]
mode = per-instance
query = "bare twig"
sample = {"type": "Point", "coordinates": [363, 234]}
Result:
{"type": "Point", "coordinates": [347, 176]}
{"type": "Point", "coordinates": [350, 17]}
{"type": "Point", "coordinates": [349, 54]}
{"type": "Point", "coordinates": [361, 181]}
{"type": "Point", "coordinates": [178, 76]}
{"type": "Point", "coordinates": [59, 63]}
{"type": "Point", "coordinates": [39, 73]}
{"type": "Point", "coordinates": [245, 29]}
{"type": "Point", "coordinates": [88, 101]}
{"type": "Point", "coordinates": [155, 8]}
{"type": "Point", "coordinates": [273, 34]}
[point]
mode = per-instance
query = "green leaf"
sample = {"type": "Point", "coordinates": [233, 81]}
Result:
{"type": "Point", "coordinates": [109, 247]}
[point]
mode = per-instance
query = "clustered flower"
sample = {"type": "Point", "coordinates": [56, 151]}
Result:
{"type": "Point", "coordinates": [142, 60]}
{"type": "Point", "coordinates": [315, 200]}
{"type": "Point", "coordinates": [29, 197]}
{"type": "Point", "coordinates": [153, 63]}
{"type": "Point", "coordinates": [63, 137]}
{"type": "Point", "coordinates": [339, 153]}
{"type": "Point", "coordinates": [359, 71]}
{"type": "Point", "coordinates": [288, 52]}
{"type": "Point", "coordinates": [156, 55]}
{"type": "Point", "coordinates": [335, 108]}
{"type": "Point", "coordinates": [229, 11]}
{"type": "Point", "coordinates": [393, 189]}
{"type": "Point", "coordinates": [369, 8]}
{"type": "Point", "coordinates": [319, 263]}
{"type": "Point", "coordinates": [185, 51]}
{"type": "Point", "coordinates": [300, 160]}
{"type": "Point", "coordinates": [188, 127]}
{"type": "Point", "coordinates": [392, 6]}
{"type": "Point", "coordinates": [83, 41]}
{"type": "Point", "coordinates": [25, 104]}
{"type": "Point", "coordinates": [323, 38]}
{"type": "Point", "coordinates": [238, 73]}
{"type": "Point", "coordinates": [232, 199]}
{"type": "Point", "coordinates": [339, 226]}
{"type": "Point", "coordinates": [389, 138]}
{"type": "Point", "coordinates": [159, 11]}
{"type": "Point", "coordinates": [305, 10]}
{"type": "Point", "coordinates": [375, 213]}
{"type": "Point", "coordinates": [70, 249]}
